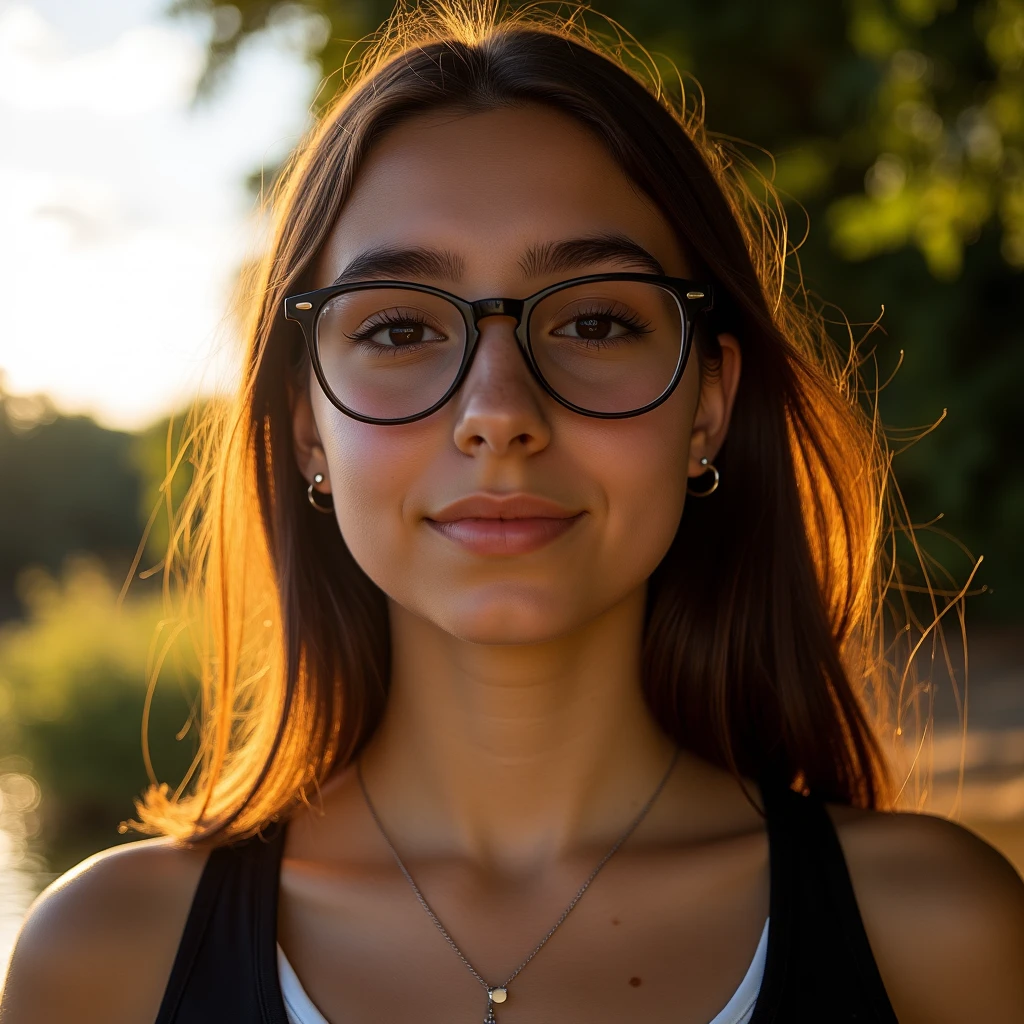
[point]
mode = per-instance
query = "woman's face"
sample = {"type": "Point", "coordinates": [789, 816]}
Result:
{"type": "Point", "coordinates": [490, 191]}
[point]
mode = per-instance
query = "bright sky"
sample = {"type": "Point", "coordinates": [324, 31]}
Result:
{"type": "Point", "coordinates": [123, 211]}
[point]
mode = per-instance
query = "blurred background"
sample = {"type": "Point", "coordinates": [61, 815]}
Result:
{"type": "Point", "coordinates": [135, 138]}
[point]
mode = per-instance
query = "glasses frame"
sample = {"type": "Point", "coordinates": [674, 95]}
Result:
{"type": "Point", "coordinates": [694, 298]}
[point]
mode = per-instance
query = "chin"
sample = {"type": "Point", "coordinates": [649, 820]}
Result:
{"type": "Point", "coordinates": [503, 615]}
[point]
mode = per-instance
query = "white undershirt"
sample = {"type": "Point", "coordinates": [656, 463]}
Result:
{"type": "Point", "coordinates": [738, 1010]}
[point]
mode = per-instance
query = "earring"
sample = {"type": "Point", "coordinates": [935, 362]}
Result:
{"type": "Point", "coordinates": [318, 478]}
{"type": "Point", "coordinates": [709, 467]}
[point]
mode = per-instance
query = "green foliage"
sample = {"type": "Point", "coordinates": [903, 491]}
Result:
{"type": "Point", "coordinates": [897, 129]}
{"type": "Point", "coordinates": [75, 655]}
{"type": "Point", "coordinates": [69, 485]}
{"type": "Point", "coordinates": [73, 683]}
{"type": "Point", "coordinates": [951, 140]}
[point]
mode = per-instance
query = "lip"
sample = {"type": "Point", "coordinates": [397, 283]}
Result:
{"type": "Point", "coordinates": [515, 524]}
{"type": "Point", "coordinates": [502, 506]}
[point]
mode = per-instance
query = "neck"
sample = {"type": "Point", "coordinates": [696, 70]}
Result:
{"type": "Point", "coordinates": [514, 754]}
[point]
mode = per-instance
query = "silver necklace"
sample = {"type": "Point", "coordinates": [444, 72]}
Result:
{"type": "Point", "coordinates": [497, 994]}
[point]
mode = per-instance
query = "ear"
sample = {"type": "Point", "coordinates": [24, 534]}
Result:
{"type": "Point", "coordinates": [714, 410]}
{"type": "Point", "coordinates": [309, 452]}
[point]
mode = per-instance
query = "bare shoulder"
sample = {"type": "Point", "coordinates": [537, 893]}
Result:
{"type": "Point", "coordinates": [944, 914]}
{"type": "Point", "coordinates": [99, 942]}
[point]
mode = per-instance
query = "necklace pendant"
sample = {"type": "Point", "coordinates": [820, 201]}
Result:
{"type": "Point", "coordinates": [498, 994]}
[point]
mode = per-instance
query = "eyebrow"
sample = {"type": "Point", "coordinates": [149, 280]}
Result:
{"type": "Point", "coordinates": [391, 262]}
{"type": "Point", "coordinates": [544, 258]}
{"type": "Point", "coordinates": [580, 253]}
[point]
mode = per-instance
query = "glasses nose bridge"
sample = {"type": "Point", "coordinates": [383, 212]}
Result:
{"type": "Point", "coordinates": [497, 307]}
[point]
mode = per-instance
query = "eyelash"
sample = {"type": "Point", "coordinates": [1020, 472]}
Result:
{"type": "Point", "coordinates": [630, 321]}
{"type": "Point", "coordinates": [385, 319]}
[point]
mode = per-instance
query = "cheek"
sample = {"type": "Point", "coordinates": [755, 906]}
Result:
{"type": "Point", "coordinates": [640, 466]}
{"type": "Point", "coordinates": [372, 469]}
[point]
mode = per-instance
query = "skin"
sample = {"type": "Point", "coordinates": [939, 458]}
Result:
{"type": "Point", "coordinates": [516, 745]}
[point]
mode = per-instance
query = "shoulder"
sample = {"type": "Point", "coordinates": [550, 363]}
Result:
{"type": "Point", "coordinates": [99, 942]}
{"type": "Point", "coordinates": [944, 914]}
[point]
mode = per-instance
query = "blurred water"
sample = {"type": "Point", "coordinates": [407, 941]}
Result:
{"type": "Point", "coordinates": [21, 867]}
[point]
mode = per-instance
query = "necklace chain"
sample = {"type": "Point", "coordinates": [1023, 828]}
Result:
{"type": "Point", "coordinates": [565, 913]}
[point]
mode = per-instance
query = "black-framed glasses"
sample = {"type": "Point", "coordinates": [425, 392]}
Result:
{"type": "Point", "coordinates": [605, 345]}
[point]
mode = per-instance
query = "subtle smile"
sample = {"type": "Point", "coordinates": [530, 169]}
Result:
{"type": "Point", "coordinates": [504, 536]}
{"type": "Point", "coordinates": [489, 524]}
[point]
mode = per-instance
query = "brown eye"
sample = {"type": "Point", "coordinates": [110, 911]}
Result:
{"type": "Point", "coordinates": [405, 334]}
{"type": "Point", "coordinates": [593, 327]}
{"type": "Point", "coordinates": [600, 326]}
{"type": "Point", "coordinates": [395, 329]}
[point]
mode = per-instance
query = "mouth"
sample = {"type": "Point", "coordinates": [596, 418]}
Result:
{"type": "Point", "coordinates": [490, 535]}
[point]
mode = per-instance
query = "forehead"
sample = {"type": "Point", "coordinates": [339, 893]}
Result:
{"type": "Point", "coordinates": [488, 186]}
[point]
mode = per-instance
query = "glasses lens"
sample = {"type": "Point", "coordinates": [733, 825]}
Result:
{"type": "Point", "coordinates": [608, 346]}
{"type": "Point", "coordinates": [390, 352]}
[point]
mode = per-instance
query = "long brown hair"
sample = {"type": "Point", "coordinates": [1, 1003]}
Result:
{"type": "Point", "coordinates": [762, 648]}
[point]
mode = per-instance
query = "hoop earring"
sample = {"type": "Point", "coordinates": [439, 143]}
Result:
{"type": "Point", "coordinates": [710, 467]}
{"type": "Point", "coordinates": [318, 478]}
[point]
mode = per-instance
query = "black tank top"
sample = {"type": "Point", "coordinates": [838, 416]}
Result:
{"type": "Point", "coordinates": [818, 967]}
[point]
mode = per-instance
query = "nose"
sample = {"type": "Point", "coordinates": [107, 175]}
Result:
{"type": "Point", "coordinates": [500, 407]}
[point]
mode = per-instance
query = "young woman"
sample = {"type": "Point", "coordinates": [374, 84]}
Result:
{"type": "Point", "coordinates": [541, 551]}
